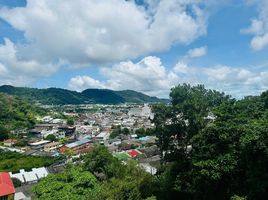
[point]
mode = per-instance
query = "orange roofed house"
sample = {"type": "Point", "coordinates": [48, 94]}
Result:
{"type": "Point", "coordinates": [7, 190]}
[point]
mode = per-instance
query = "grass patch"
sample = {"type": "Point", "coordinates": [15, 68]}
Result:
{"type": "Point", "coordinates": [13, 161]}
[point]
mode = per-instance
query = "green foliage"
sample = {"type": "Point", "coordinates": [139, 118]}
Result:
{"type": "Point", "coordinates": [212, 159]}
{"type": "Point", "coordinates": [3, 133]}
{"type": "Point", "coordinates": [51, 138]}
{"type": "Point", "coordinates": [101, 161]}
{"type": "Point", "coordinates": [70, 122]}
{"type": "Point", "coordinates": [141, 132]}
{"type": "Point", "coordinates": [116, 132]}
{"type": "Point", "coordinates": [73, 183]}
{"type": "Point", "coordinates": [13, 162]}
{"type": "Point", "coordinates": [178, 123]}
{"type": "Point", "coordinates": [131, 182]}
{"type": "Point", "coordinates": [235, 197]}
{"type": "Point", "coordinates": [123, 181]}
{"type": "Point", "coordinates": [69, 153]}
{"type": "Point", "coordinates": [16, 182]}
{"type": "Point", "coordinates": [125, 131]}
{"type": "Point", "coordinates": [16, 113]}
{"type": "Point", "coordinates": [58, 96]}
{"type": "Point", "coordinates": [151, 198]}
{"type": "Point", "coordinates": [137, 97]}
{"type": "Point", "coordinates": [21, 142]}
{"type": "Point", "coordinates": [63, 140]}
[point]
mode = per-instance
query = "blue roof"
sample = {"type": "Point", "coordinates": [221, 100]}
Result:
{"type": "Point", "coordinates": [77, 143]}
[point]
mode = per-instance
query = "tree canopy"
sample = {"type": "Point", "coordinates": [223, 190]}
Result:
{"type": "Point", "coordinates": [224, 157]}
{"type": "Point", "coordinates": [73, 183]}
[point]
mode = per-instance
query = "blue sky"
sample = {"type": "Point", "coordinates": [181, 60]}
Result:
{"type": "Point", "coordinates": [149, 46]}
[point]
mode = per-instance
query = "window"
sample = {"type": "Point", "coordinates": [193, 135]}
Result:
{"type": "Point", "coordinates": [3, 198]}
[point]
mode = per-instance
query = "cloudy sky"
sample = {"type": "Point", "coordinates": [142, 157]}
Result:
{"type": "Point", "coordinates": [145, 45]}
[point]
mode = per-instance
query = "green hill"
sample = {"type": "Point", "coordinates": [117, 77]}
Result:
{"type": "Point", "coordinates": [136, 97]}
{"type": "Point", "coordinates": [58, 96]}
{"type": "Point", "coordinates": [102, 96]}
{"type": "Point", "coordinates": [17, 113]}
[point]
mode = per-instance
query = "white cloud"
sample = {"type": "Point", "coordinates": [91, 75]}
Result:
{"type": "Point", "coordinates": [256, 27]}
{"type": "Point", "coordinates": [197, 52]}
{"type": "Point", "coordinates": [148, 76]}
{"type": "Point", "coordinates": [238, 82]}
{"type": "Point", "coordinates": [16, 71]}
{"type": "Point", "coordinates": [259, 26]}
{"type": "Point", "coordinates": [80, 83]}
{"type": "Point", "coordinates": [98, 31]}
{"type": "Point", "coordinates": [259, 42]}
{"type": "Point", "coordinates": [151, 77]}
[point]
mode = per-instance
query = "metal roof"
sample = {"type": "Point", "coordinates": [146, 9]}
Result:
{"type": "Point", "coordinates": [6, 185]}
{"type": "Point", "coordinates": [77, 143]}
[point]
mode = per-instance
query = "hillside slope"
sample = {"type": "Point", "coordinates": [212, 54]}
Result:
{"type": "Point", "coordinates": [58, 96]}
{"type": "Point", "coordinates": [17, 113]}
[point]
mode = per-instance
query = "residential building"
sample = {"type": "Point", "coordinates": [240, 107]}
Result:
{"type": "Point", "coordinates": [9, 142]}
{"type": "Point", "coordinates": [80, 146]}
{"type": "Point", "coordinates": [30, 176]}
{"type": "Point", "coordinates": [53, 146]}
{"type": "Point", "coordinates": [7, 190]}
{"type": "Point", "coordinates": [39, 144]}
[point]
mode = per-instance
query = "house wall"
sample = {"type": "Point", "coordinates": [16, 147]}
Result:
{"type": "Point", "coordinates": [8, 197]}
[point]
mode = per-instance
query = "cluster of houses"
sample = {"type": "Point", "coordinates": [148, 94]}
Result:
{"type": "Point", "coordinates": [90, 128]}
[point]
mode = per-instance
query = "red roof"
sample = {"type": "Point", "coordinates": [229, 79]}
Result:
{"type": "Point", "coordinates": [6, 185]}
{"type": "Point", "coordinates": [9, 141]}
{"type": "Point", "coordinates": [133, 153]}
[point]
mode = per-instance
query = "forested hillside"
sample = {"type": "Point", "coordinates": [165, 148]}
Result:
{"type": "Point", "coordinates": [16, 113]}
{"type": "Point", "coordinates": [58, 96]}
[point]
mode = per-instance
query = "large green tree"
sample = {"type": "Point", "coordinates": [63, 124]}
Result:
{"type": "Point", "coordinates": [73, 183]}
{"type": "Point", "coordinates": [122, 181]}
{"type": "Point", "coordinates": [132, 184]}
{"type": "Point", "coordinates": [213, 159]}
{"type": "Point", "coordinates": [185, 117]}
{"type": "Point", "coordinates": [3, 133]}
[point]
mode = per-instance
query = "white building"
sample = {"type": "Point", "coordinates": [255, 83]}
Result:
{"type": "Point", "coordinates": [144, 111]}
{"type": "Point", "coordinates": [39, 145]}
{"type": "Point", "coordinates": [103, 136]}
{"type": "Point", "coordinates": [31, 176]}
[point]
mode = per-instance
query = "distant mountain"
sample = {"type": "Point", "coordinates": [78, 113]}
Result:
{"type": "Point", "coordinates": [137, 97]}
{"type": "Point", "coordinates": [58, 96]}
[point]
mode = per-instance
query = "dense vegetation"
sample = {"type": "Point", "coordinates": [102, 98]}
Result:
{"type": "Point", "coordinates": [116, 181]}
{"type": "Point", "coordinates": [73, 183]}
{"type": "Point", "coordinates": [13, 162]}
{"type": "Point", "coordinates": [16, 113]}
{"type": "Point", "coordinates": [224, 158]}
{"type": "Point", "coordinates": [137, 97]}
{"type": "Point", "coordinates": [59, 96]}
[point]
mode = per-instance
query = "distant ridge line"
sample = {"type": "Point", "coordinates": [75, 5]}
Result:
{"type": "Point", "coordinates": [59, 96]}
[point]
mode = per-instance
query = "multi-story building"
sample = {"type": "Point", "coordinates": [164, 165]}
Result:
{"type": "Point", "coordinates": [53, 146]}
